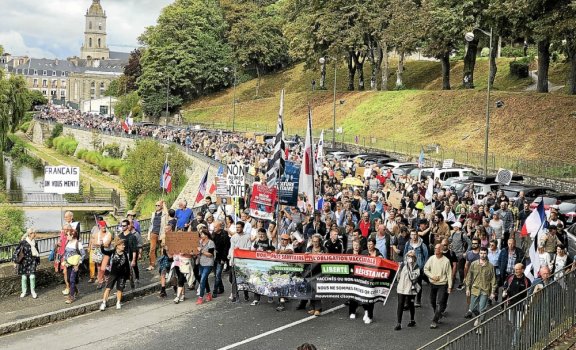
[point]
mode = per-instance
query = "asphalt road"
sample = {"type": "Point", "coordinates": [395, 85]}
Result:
{"type": "Point", "coordinates": [154, 323]}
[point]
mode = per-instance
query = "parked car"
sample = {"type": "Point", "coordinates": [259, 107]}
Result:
{"type": "Point", "coordinates": [481, 185]}
{"type": "Point", "coordinates": [530, 192]}
{"type": "Point", "coordinates": [555, 199]}
{"type": "Point", "coordinates": [443, 174]}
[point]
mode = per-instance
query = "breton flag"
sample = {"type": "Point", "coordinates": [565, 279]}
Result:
{"type": "Point", "coordinates": [535, 224]}
{"type": "Point", "coordinates": [276, 167]}
{"type": "Point", "coordinates": [306, 179]}
{"type": "Point", "coordinates": [320, 154]}
{"type": "Point", "coordinates": [166, 178]}
{"type": "Point", "coordinates": [421, 158]}
{"type": "Point", "coordinates": [202, 188]}
{"type": "Point", "coordinates": [219, 174]}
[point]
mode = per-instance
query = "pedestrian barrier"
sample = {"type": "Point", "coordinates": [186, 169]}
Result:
{"type": "Point", "coordinates": [45, 244]}
{"type": "Point", "coordinates": [532, 323]}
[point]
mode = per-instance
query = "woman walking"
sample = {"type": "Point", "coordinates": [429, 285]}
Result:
{"type": "Point", "coordinates": [27, 258]}
{"type": "Point", "coordinates": [407, 288]}
{"type": "Point", "coordinates": [73, 256]}
{"type": "Point", "coordinates": [206, 259]}
{"type": "Point", "coordinates": [108, 248]}
{"type": "Point", "coordinates": [119, 271]}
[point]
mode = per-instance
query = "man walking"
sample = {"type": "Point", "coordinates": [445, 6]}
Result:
{"type": "Point", "coordinates": [480, 284]}
{"type": "Point", "coordinates": [439, 273]}
{"type": "Point", "coordinates": [157, 222]}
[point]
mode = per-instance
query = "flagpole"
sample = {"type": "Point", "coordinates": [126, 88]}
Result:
{"type": "Point", "coordinates": [163, 170]}
{"type": "Point", "coordinates": [312, 158]}
{"type": "Point", "coordinates": [197, 192]}
{"type": "Point", "coordinates": [279, 170]}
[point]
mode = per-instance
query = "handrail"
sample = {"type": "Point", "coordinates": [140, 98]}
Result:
{"type": "Point", "coordinates": [45, 244]}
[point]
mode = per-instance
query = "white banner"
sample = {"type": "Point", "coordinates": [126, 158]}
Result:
{"type": "Point", "coordinates": [61, 179]}
{"type": "Point", "coordinates": [235, 180]}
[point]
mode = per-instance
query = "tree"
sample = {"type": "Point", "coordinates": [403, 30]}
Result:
{"type": "Point", "coordinates": [36, 98]}
{"type": "Point", "coordinates": [129, 103]}
{"type": "Point", "coordinates": [14, 102]}
{"type": "Point", "coordinates": [144, 166]}
{"type": "Point", "coordinates": [185, 51]}
{"type": "Point", "coordinates": [255, 36]}
{"type": "Point", "coordinates": [113, 89]}
{"type": "Point", "coordinates": [132, 71]}
{"type": "Point", "coordinates": [443, 32]}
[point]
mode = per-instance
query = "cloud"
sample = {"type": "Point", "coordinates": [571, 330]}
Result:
{"type": "Point", "coordinates": [56, 27]}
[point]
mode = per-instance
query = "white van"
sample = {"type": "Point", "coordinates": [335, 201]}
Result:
{"type": "Point", "coordinates": [442, 174]}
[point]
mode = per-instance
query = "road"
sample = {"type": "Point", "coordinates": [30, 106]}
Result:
{"type": "Point", "coordinates": [154, 323]}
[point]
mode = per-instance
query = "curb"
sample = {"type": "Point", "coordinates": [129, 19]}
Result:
{"type": "Point", "coordinates": [59, 315]}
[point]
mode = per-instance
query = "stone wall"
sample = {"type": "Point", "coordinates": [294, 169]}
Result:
{"type": "Point", "coordinates": [10, 281]}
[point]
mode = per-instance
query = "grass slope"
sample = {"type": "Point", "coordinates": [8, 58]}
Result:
{"type": "Point", "coordinates": [531, 125]}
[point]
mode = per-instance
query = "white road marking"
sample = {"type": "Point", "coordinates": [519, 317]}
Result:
{"type": "Point", "coordinates": [265, 334]}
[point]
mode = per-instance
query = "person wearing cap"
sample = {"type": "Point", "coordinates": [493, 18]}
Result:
{"type": "Point", "coordinates": [459, 243]}
{"type": "Point", "coordinates": [158, 220]}
{"type": "Point", "coordinates": [551, 241]}
{"type": "Point", "coordinates": [131, 216]}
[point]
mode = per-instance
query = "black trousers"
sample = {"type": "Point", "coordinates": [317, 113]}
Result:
{"type": "Point", "coordinates": [353, 305]}
{"type": "Point", "coordinates": [438, 299]}
{"type": "Point", "coordinates": [408, 300]}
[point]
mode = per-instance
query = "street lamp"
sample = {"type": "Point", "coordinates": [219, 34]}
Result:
{"type": "Point", "coordinates": [226, 70]}
{"type": "Point", "coordinates": [322, 61]}
{"type": "Point", "coordinates": [469, 37]}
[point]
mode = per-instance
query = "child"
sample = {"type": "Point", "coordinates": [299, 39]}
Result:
{"type": "Point", "coordinates": [119, 272]}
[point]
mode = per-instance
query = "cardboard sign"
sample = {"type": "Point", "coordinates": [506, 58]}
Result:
{"type": "Point", "coordinates": [182, 242]}
{"type": "Point", "coordinates": [259, 139]}
{"type": "Point", "coordinates": [395, 199]}
{"type": "Point", "coordinates": [61, 179]}
{"type": "Point", "coordinates": [235, 180]}
{"type": "Point", "coordinates": [221, 188]}
{"type": "Point", "coordinates": [360, 171]}
{"type": "Point", "coordinates": [249, 135]}
{"type": "Point", "coordinates": [448, 163]}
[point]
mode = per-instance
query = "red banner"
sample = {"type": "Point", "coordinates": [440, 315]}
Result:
{"type": "Point", "coordinates": [263, 202]}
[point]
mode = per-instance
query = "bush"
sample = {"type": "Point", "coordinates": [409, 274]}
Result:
{"type": "Point", "coordinates": [112, 150]}
{"type": "Point", "coordinates": [112, 165]}
{"type": "Point", "coordinates": [485, 52]}
{"type": "Point", "coordinates": [519, 69]}
{"type": "Point", "coordinates": [56, 132]}
{"type": "Point", "coordinates": [511, 51]}
{"type": "Point", "coordinates": [81, 152]}
{"type": "Point", "coordinates": [12, 224]}
{"type": "Point", "coordinates": [65, 144]}
{"type": "Point", "coordinates": [24, 126]}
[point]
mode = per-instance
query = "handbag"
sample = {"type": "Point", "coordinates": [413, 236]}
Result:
{"type": "Point", "coordinates": [20, 256]}
{"type": "Point", "coordinates": [96, 255]}
{"type": "Point", "coordinates": [52, 255]}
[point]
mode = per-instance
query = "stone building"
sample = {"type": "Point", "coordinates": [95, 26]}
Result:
{"type": "Point", "coordinates": [75, 79]}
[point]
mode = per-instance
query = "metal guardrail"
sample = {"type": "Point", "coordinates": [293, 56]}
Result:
{"type": "Point", "coordinates": [45, 244]}
{"type": "Point", "coordinates": [532, 323]}
{"type": "Point", "coordinates": [37, 198]}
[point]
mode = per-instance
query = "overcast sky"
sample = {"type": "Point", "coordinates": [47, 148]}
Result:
{"type": "Point", "coordinates": [55, 28]}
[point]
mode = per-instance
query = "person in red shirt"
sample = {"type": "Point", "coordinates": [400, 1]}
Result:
{"type": "Point", "coordinates": [364, 224]}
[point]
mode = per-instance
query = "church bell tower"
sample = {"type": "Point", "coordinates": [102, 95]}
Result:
{"type": "Point", "coordinates": [94, 46]}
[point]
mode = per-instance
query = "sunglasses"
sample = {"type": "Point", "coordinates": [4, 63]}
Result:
{"type": "Point", "coordinates": [124, 225]}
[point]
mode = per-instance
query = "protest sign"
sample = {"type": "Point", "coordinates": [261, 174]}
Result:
{"type": "Point", "coordinates": [448, 163]}
{"type": "Point", "coordinates": [263, 202]}
{"type": "Point", "coordinates": [221, 186]}
{"type": "Point", "coordinates": [363, 278]}
{"type": "Point", "coordinates": [395, 198]}
{"type": "Point", "coordinates": [289, 184]}
{"type": "Point", "coordinates": [235, 180]}
{"type": "Point", "coordinates": [61, 179]}
{"type": "Point", "coordinates": [182, 242]}
{"type": "Point", "coordinates": [360, 171]}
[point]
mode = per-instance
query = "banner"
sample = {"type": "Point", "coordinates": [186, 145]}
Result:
{"type": "Point", "coordinates": [288, 186]}
{"type": "Point", "coordinates": [363, 278]}
{"type": "Point", "coordinates": [61, 179]}
{"type": "Point", "coordinates": [235, 180]}
{"type": "Point", "coordinates": [182, 242]}
{"type": "Point", "coordinates": [263, 202]}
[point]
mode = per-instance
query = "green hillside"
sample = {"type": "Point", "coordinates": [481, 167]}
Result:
{"type": "Point", "coordinates": [531, 125]}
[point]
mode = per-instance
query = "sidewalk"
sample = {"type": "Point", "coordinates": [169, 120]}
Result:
{"type": "Point", "coordinates": [50, 304]}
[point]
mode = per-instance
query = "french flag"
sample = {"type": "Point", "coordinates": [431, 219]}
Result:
{"type": "Point", "coordinates": [166, 178]}
{"type": "Point", "coordinates": [202, 188]}
{"type": "Point", "coordinates": [219, 174]}
{"type": "Point", "coordinates": [534, 221]}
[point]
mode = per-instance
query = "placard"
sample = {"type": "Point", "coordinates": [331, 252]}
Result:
{"type": "Point", "coordinates": [360, 171]}
{"type": "Point", "coordinates": [395, 199]}
{"type": "Point", "coordinates": [221, 187]}
{"type": "Point", "coordinates": [61, 179]}
{"type": "Point", "coordinates": [182, 242]}
{"type": "Point", "coordinates": [289, 184]}
{"type": "Point", "coordinates": [235, 180]}
{"type": "Point", "coordinates": [263, 202]}
{"type": "Point", "coordinates": [448, 163]}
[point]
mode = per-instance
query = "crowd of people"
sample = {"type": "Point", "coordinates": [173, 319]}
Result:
{"type": "Point", "coordinates": [448, 241]}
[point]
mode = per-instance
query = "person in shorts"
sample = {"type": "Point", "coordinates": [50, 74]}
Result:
{"type": "Point", "coordinates": [119, 272]}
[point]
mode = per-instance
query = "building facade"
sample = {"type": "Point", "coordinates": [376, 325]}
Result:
{"type": "Point", "coordinates": [75, 79]}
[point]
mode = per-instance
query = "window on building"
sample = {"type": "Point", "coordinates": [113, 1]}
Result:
{"type": "Point", "coordinates": [89, 42]}
{"type": "Point", "coordinates": [53, 73]}
{"type": "Point", "coordinates": [53, 93]}
{"type": "Point", "coordinates": [89, 25]}
{"type": "Point", "coordinates": [35, 83]}
{"type": "Point", "coordinates": [99, 42]}
{"type": "Point", "coordinates": [54, 83]}
{"type": "Point", "coordinates": [62, 92]}
{"type": "Point", "coordinates": [99, 26]}
{"type": "Point", "coordinates": [44, 72]}
{"type": "Point", "coordinates": [44, 83]}
{"type": "Point", "coordinates": [35, 72]}
{"type": "Point", "coordinates": [44, 92]}
{"type": "Point", "coordinates": [63, 83]}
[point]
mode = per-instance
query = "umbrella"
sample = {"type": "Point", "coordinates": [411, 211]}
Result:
{"type": "Point", "coordinates": [352, 181]}
{"type": "Point", "coordinates": [231, 146]}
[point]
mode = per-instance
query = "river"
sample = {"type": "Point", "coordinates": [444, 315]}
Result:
{"type": "Point", "coordinates": [20, 179]}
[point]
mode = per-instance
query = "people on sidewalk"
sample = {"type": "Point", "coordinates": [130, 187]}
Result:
{"type": "Point", "coordinates": [206, 249]}
{"type": "Point", "coordinates": [74, 254]}
{"type": "Point", "coordinates": [439, 273]}
{"type": "Point", "coordinates": [158, 220]}
{"type": "Point", "coordinates": [119, 271]}
{"type": "Point", "coordinates": [407, 288]}
{"type": "Point", "coordinates": [26, 258]}
{"type": "Point", "coordinates": [480, 284]}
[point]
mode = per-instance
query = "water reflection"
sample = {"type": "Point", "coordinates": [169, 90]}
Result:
{"type": "Point", "coordinates": [19, 179]}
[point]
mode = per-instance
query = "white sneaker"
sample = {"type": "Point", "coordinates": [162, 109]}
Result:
{"type": "Point", "coordinates": [367, 320]}
{"type": "Point", "coordinates": [176, 300]}
{"type": "Point", "coordinates": [352, 316]}
{"type": "Point", "coordinates": [34, 295]}
{"type": "Point", "coordinates": [365, 316]}
{"type": "Point", "coordinates": [255, 302]}
{"type": "Point", "coordinates": [22, 295]}
{"type": "Point", "coordinates": [182, 298]}
{"type": "Point", "coordinates": [198, 291]}
{"type": "Point", "coordinates": [118, 306]}
{"type": "Point", "coordinates": [102, 306]}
